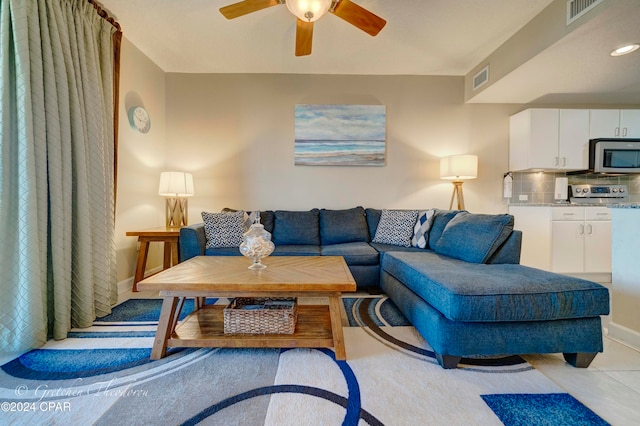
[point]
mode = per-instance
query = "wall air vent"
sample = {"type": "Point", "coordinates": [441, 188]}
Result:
{"type": "Point", "coordinates": [577, 8]}
{"type": "Point", "coordinates": [481, 77]}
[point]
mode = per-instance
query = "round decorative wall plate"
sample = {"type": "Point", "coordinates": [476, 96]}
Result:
{"type": "Point", "coordinates": [139, 119]}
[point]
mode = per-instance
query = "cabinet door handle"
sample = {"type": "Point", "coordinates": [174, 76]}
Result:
{"type": "Point", "coordinates": [581, 229]}
{"type": "Point", "coordinates": [556, 161]}
{"type": "Point", "coordinates": [617, 131]}
{"type": "Point", "coordinates": [624, 131]}
{"type": "Point", "coordinates": [564, 161]}
{"type": "Point", "coordinates": [589, 229]}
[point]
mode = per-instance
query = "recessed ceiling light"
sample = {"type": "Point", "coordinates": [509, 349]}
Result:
{"type": "Point", "coordinates": [625, 49]}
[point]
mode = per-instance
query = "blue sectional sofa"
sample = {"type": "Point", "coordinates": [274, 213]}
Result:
{"type": "Point", "coordinates": [455, 275]}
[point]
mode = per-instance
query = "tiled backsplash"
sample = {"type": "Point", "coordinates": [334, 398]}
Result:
{"type": "Point", "coordinates": [539, 187]}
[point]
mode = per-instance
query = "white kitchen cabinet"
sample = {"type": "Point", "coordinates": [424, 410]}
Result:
{"type": "Point", "coordinates": [549, 139]}
{"type": "Point", "coordinates": [573, 139]}
{"type": "Point", "coordinates": [581, 240]}
{"type": "Point", "coordinates": [535, 224]}
{"type": "Point", "coordinates": [597, 247]}
{"type": "Point", "coordinates": [569, 240]}
{"type": "Point", "coordinates": [614, 123]}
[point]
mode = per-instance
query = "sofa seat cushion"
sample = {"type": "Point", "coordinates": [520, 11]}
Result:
{"type": "Point", "coordinates": [475, 292]}
{"type": "Point", "coordinates": [353, 253]}
{"type": "Point", "coordinates": [296, 250]}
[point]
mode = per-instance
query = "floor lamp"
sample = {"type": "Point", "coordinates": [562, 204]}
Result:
{"type": "Point", "coordinates": [457, 168]}
{"type": "Point", "coordinates": [176, 186]}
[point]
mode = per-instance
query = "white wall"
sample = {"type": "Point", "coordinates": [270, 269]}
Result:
{"type": "Point", "coordinates": [141, 158]}
{"type": "Point", "coordinates": [235, 133]}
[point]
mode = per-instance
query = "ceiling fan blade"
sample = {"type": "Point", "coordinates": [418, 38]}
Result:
{"type": "Point", "coordinates": [245, 7]}
{"type": "Point", "coordinates": [359, 16]}
{"type": "Point", "coordinates": [304, 37]}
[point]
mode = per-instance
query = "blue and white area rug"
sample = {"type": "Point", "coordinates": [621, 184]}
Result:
{"type": "Point", "coordinates": [102, 375]}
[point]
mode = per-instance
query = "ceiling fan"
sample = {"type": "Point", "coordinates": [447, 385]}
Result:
{"type": "Point", "coordinates": [309, 11]}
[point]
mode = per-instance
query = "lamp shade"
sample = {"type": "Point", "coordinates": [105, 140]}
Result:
{"type": "Point", "coordinates": [308, 10]}
{"type": "Point", "coordinates": [458, 167]}
{"type": "Point", "coordinates": [176, 184]}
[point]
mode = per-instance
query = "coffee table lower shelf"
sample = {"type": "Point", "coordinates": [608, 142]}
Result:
{"type": "Point", "coordinates": [205, 328]}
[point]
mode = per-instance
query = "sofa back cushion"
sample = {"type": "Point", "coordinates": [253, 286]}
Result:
{"type": "Point", "coordinates": [296, 227]}
{"type": "Point", "coordinates": [267, 218]}
{"type": "Point", "coordinates": [474, 237]}
{"type": "Point", "coordinates": [343, 226]}
{"type": "Point", "coordinates": [373, 219]}
{"type": "Point", "coordinates": [440, 220]}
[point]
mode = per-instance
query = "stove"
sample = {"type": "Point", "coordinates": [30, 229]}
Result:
{"type": "Point", "coordinates": [598, 194]}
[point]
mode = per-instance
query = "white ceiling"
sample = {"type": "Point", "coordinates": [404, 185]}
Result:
{"type": "Point", "coordinates": [422, 37]}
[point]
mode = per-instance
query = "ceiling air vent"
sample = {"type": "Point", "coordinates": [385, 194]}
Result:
{"type": "Point", "coordinates": [577, 8]}
{"type": "Point", "coordinates": [481, 77]}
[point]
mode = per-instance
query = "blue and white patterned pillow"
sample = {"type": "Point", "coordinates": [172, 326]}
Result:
{"type": "Point", "coordinates": [249, 217]}
{"type": "Point", "coordinates": [396, 227]}
{"type": "Point", "coordinates": [421, 228]}
{"type": "Point", "coordinates": [223, 229]}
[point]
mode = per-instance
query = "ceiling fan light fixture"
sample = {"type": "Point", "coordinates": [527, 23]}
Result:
{"type": "Point", "coordinates": [308, 10]}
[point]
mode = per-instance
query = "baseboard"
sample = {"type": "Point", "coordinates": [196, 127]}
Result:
{"type": "Point", "coordinates": [624, 335]}
{"type": "Point", "coordinates": [126, 285]}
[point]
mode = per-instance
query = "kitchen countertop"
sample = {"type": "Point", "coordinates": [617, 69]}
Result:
{"type": "Point", "coordinates": [625, 206]}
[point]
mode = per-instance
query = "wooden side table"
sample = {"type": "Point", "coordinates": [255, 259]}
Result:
{"type": "Point", "coordinates": [168, 236]}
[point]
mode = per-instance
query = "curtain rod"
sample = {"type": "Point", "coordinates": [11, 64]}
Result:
{"type": "Point", "coordinates": [104, 15]}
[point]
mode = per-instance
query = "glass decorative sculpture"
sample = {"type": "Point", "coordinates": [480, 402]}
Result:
{"type": "Point", "coordinates": [257, 244]}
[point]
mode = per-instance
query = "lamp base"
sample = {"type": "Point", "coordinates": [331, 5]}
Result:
{"type": "Point", "coordinates": [457, 192]}
{"type": "Point", "coordinates": [176, 212]}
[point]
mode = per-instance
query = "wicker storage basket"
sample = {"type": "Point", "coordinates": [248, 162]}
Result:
{"type": "Point", "coordinates": [257, 315]}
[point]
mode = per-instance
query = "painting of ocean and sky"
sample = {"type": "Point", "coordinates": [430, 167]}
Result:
{"type": "Point", "coordinates": [340, 135]}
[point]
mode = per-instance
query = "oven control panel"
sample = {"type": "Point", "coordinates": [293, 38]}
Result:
{"type": "Point", "coordinates": [598, 191]}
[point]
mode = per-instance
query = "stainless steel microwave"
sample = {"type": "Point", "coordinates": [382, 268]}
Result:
{"type": "Point", "coordinates": [614, 155]}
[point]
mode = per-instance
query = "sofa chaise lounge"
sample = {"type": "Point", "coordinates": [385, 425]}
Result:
{"type": "Point", "coordinates": [455, 276]}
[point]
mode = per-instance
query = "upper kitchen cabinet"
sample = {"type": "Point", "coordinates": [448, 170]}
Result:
{"type": "Point", "coordinates": [550, 139]}
{"type": "Point", "coordinates": [614, 123]}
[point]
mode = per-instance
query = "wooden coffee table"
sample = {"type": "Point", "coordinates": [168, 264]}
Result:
{"type": "Point", "coordinates": [318, 326]}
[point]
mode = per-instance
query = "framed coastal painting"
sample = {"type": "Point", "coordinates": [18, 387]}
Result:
{"type": "Point", "coordinates": [340, 135]}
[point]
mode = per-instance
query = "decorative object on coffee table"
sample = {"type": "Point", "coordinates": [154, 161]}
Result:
{"type": "Point", "coordinates": [257, 244]}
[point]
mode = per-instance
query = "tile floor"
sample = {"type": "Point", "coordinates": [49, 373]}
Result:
{"type": "Point", "coordinates": [610, 386]}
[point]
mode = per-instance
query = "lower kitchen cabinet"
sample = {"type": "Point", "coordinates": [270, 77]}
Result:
{"type": "Point", "coordinates": [569, 240]}
{"type": "Point", "coordinates": [581, 240]}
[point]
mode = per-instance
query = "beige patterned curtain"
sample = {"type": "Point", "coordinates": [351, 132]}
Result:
{"type": "Point", "coordinates": [57, 257]}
